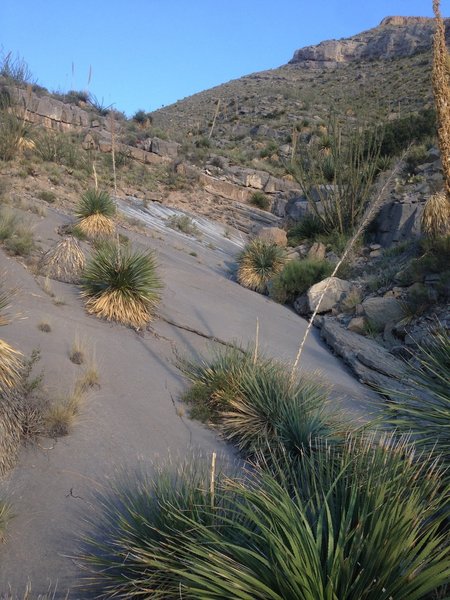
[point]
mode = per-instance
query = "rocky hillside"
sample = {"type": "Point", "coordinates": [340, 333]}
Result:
{"type": "Point", "coordinates": [380, 73]}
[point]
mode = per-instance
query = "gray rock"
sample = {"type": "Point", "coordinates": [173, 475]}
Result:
{"type": "Point", "coordinates": [301, 305]}
{"type": "Point", "coordinates": [370, 362]}
{"type": "Point", "coordinates": [334, 290]}
{"type": "Point", "coordinates": [381, 311]}
{"type": "Point", "coordinates": [317, 251]}
{"type": "Point", "coordinates": [164, 148]}
{"type": "Point", "coordinates": [357, 325]}
{"type": "Point", "coordinates": [394, 38]}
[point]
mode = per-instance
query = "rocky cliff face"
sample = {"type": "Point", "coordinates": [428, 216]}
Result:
{"type": "Point", "coordinates": [395, 37]}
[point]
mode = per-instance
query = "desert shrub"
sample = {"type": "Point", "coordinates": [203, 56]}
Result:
{"type": "Point", "coordinates": [416, 156]}
{"type": "Point", "coordinates": [436, 215]}
{"type": "Point", "coordinates": [122, 285]}
{"type": "Point", "coordinates": [142, 117]}
{"type": "Point", "coordinates": [271, 148]}
{"type": "Point", "coordinates": [434, 258]}
{"type": "Point", "coordinates": [341, 178]}
{"type": "Point", "coordinates": [258, 263]}
{"type": "Point", "coordinates": [47, 196]}
{"type": "Point", "coordinates": [77, 97]}
{"type": "Point", "coordinates": [15, 132]}
{"type": "Point", "coordinates": [95, 211]}
{"type": "Point", "coordinates": [308, 228]}
{"type": "Point", "coordinates": [361, 521]}
{"type": "Point", "coordinates": [260, 200]}
{"type": "Point", "coordinates": [16, 235]}
{"type": "Point", "coordinates": [397, 135]}
{"type": "Point", "coordinates": [297, 277]}
{"type": "Point", "coordinates": [425, 410]}
{"type": "Point", "coordinates": [254, 402]}
{"type": "Point", "coordinates": [15, 69]}
{"type": "Point", "coordinates": [58, 147]}
{"type": "Point", "coordinates": [182, 223]}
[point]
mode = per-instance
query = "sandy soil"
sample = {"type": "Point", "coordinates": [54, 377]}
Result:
{"type": "Point", "coordinates": [134, 414]}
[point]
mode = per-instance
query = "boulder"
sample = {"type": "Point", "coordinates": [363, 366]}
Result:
{"type": "Point", "coordinates": [335, 289]}
{"type": "Point", "coordinates": [163, 148]}
{"type": "Point", "coordinates": [317, 251]}
{"type": "Point", "coordinates": [273, 234]}
{"type": "Point", "coordinates": [380, 311]}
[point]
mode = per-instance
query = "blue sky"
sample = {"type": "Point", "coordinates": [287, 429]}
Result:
{"type": "Point", "coordinates": [149, 53]}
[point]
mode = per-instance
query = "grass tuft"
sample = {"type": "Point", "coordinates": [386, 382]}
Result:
{"type": "Point", "coordinates": [436, 215]}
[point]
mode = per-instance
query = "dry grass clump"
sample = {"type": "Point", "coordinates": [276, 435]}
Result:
{"type": "Point", "coordinates": [258, 263]}
{"type": "Point", "coordinates": [96, 226]}
{"type": "Point", "coordinates": [64, 262]}
{"type": "Point", "coordinates": [61, 415]}
{"type": "Point", "coordinates": [10, 367]}
{"type": "Point", "coordinates": [122, 285]}
{"type": "Point", "coordinates": [436, 215]}
{"type": "Point", "coordinates": [95, 212]}
{"type": "Point", "coordinates": [11, 418]}
{"type": "Point", "coordinates": [5, 514]}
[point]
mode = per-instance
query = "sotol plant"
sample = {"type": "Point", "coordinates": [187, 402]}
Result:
{"type": "Point", "coordinates": [357, 521]}
{"type": "Point", "coordinates": [258, 263]}
{"type": "Point", "coordinates": [122, 285]}
{"type": "Point", "coordinates": [95, 212]}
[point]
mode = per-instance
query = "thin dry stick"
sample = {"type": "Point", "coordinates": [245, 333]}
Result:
{"type": "Point", "coordinates": [213, 478]}
{"type": "Point", "coordinates": [214, 120]}
{"type": "Point", "coordinates": [95, 176]}
{"type": "Point", "coordinates": [370, 213]}
{"type": "Point", "coordinates": [113, 152]}
{"type": "Point", "coordinates": [255, 356]}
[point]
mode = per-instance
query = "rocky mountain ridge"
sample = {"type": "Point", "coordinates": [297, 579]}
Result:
{"type": "Point", "coordinates": [395, 37]}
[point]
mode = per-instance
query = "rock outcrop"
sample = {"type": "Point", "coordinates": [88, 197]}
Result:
{"type": "Point", "coordinates": [395, 37]}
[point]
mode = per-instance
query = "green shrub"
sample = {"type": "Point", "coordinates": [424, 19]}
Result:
{"type": "Point", "coordinates": [60, 148]}
{"type": "Point", "coordinates": [417, 155]}
{"type": "Point", "coordinates": [435, 258]}
{"type": "Point", "coordinates": [308, 228]}
{"type": "Point", "coordinates": [122, 285]}
{"type": "Point", "coordinates": [183, 223]}
{"type": "Point", "coordinates": [142, 118]}
{"type": "Point", "coordinates": [258, 263]}
{"type": "Point", "coordinates": [425, 411]}
{"type": "Point", "coordinates": [260, 200]}
{"type": "Point", "coordinates": [255, 403]}
{"type": "Point", "coordinates": [360, 521]}
{"type": "Point", "coordinates": [399, 134]}
{"type": "Point", "coordinates": [16, 235]}
{"type": "Point", "coordinates": [297, 277]}
{"type": "Point", "coordinates": [47, 196]}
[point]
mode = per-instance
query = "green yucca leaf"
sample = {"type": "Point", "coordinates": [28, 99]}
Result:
{"type": "Point", "coordinates": [95, 202]}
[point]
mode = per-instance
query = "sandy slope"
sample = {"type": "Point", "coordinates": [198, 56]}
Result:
{"type": "Point", "coordinates": [133, 414]}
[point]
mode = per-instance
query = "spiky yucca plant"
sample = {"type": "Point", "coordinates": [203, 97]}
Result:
{"type": "Point", "coordinates": [258, 263]}
{"type": "Point", "coordinates": [122, 285]}
{"type": "Point", "coordinates": [10, 359]}
{"type": "Point", "coordinates": [361, 521]}
{"type": "Point", "coordinates": [254, 402]}
{"type": "Point", "coordinates": [426, 413]}
{"type": "Point", "coordinates": [65, 261]}
{"type": "Point", "coordinates": [95, 212]}
{"type": "Point", "coordinates": [436, 215]}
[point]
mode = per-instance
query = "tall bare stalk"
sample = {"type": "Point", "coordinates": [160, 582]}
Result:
{"type": "Point", "coordinates": [113, 150]}
{"type": "Point", "coordinates": [214, 120]}
{"type": "Point", "coordinates": [441, 88]}
{"type": "Point", "coordinates": [370, 213]}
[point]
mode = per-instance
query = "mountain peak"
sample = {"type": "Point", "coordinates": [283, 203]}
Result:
{"type": "Point", "coordinates": [395, 37]}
